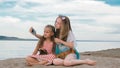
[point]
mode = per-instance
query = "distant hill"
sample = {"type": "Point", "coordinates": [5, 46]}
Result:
{"type": "Point", "coordinates": [15, 38]}
{"type": "Point", "coordinates": [22, 39]}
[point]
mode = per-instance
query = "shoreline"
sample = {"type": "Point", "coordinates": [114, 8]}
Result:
{"type": "Point", "coordinates": [109, 58]}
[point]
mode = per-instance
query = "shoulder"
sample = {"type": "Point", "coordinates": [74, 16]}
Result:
{"type": "Point", "coordinates": [71, 36]}
{"type": "Point", "coordinates": [70, 33]}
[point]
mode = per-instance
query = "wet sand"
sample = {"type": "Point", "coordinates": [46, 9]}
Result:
{"type": "Point", "coordinates": [105, 59]}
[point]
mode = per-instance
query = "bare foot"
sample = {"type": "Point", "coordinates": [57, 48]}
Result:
{"type": "Point", "coordinates": [31, 64]}
{"type": "Point", "coordinates": [90, 62]}
{"type": "Point", "coordinates": [28, 64]}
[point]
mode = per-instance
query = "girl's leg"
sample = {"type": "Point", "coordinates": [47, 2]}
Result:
{"type": "Point", "coordinates": [31, 61]}
{"type": "Point", "coordinates": [71, 60]}
{"type": "Point", "coordinates": [58, 61]}
{"type": "Point", "coordinates": [43, 62]}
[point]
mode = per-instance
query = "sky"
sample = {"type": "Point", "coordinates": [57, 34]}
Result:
{"type": "Point", "coordinates": [90, 19]}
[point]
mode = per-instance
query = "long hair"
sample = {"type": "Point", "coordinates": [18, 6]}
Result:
{"type": "Point", "coordinates": [62, 33]}
{"type": "Point", "coordinates": [42, 39]}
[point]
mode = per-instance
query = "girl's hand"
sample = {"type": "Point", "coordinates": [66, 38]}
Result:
{"type": "Point", "coordinates": [58, 40]}
{"type": "Point", "coordinates": [32, 31]}
{"type": "Point", "coordinates": [41, 48]}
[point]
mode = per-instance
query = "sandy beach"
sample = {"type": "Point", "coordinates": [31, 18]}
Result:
{"type": "Point", "coordinates": [105, 59]}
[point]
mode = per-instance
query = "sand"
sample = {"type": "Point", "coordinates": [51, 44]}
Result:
{"type": "Point", "coordinates": [105, 59]}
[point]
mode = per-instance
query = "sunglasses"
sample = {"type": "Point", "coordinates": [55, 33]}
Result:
{"type": "Point", "coordinates": [63, 17]}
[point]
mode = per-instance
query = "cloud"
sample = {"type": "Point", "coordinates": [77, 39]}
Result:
{"type": "Point", "coordinates": [12, 26]}
{"type": "Point", "coordinates": [87, 16]}
{"type": "Point", "coordinates": [85, 28]}
{"type": "Point", "coordinates": [9, 19]}
{"type": "Point", "coordinates": [109, 19]}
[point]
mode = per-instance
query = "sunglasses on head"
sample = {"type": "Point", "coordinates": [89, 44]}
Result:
{"type": "Point", "coordinates": [62, 16]}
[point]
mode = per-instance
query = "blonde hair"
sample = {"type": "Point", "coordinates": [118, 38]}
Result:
{"type": "Point", "coordinates": [62, 33]}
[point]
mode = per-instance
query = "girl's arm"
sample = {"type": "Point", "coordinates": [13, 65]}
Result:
{"type": "Point", "coordinates": [36, 49]}
{"type": "Point", "coordinates": [38, 36]}
{"type": "Point", "coordinates": [33, 32]}
{"type": "Point", "coordinates": [69, 44]}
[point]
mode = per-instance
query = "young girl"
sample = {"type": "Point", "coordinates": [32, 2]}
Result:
{"type": "Point", "coordinates": [47, 45]}
{"type": "Point", "coordinates": [66, 44]}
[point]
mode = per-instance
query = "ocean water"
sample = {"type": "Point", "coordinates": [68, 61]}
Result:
{"type": "Point", "coordinates": [21, 49]}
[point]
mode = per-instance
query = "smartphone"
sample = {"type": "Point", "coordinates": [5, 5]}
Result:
{"type": "Point", "coordinates": [33, 31]}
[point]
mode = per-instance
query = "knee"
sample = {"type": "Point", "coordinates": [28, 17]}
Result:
{"type": "Point", "coordinates": [55, 62]}
{"type": "Point", "coordinates": [67, 63]}
{"type": "Point", "coordinates": [28, 58]}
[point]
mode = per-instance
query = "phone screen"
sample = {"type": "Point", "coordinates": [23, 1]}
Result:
{"type": "Point", "coordinates": [33, 32]}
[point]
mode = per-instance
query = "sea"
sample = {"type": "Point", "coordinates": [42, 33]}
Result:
{"type": "Point", "coordinates": [21, 49]}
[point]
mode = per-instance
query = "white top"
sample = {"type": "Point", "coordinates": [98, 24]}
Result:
{"type": "Point", "coordinates": [70, 38]}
